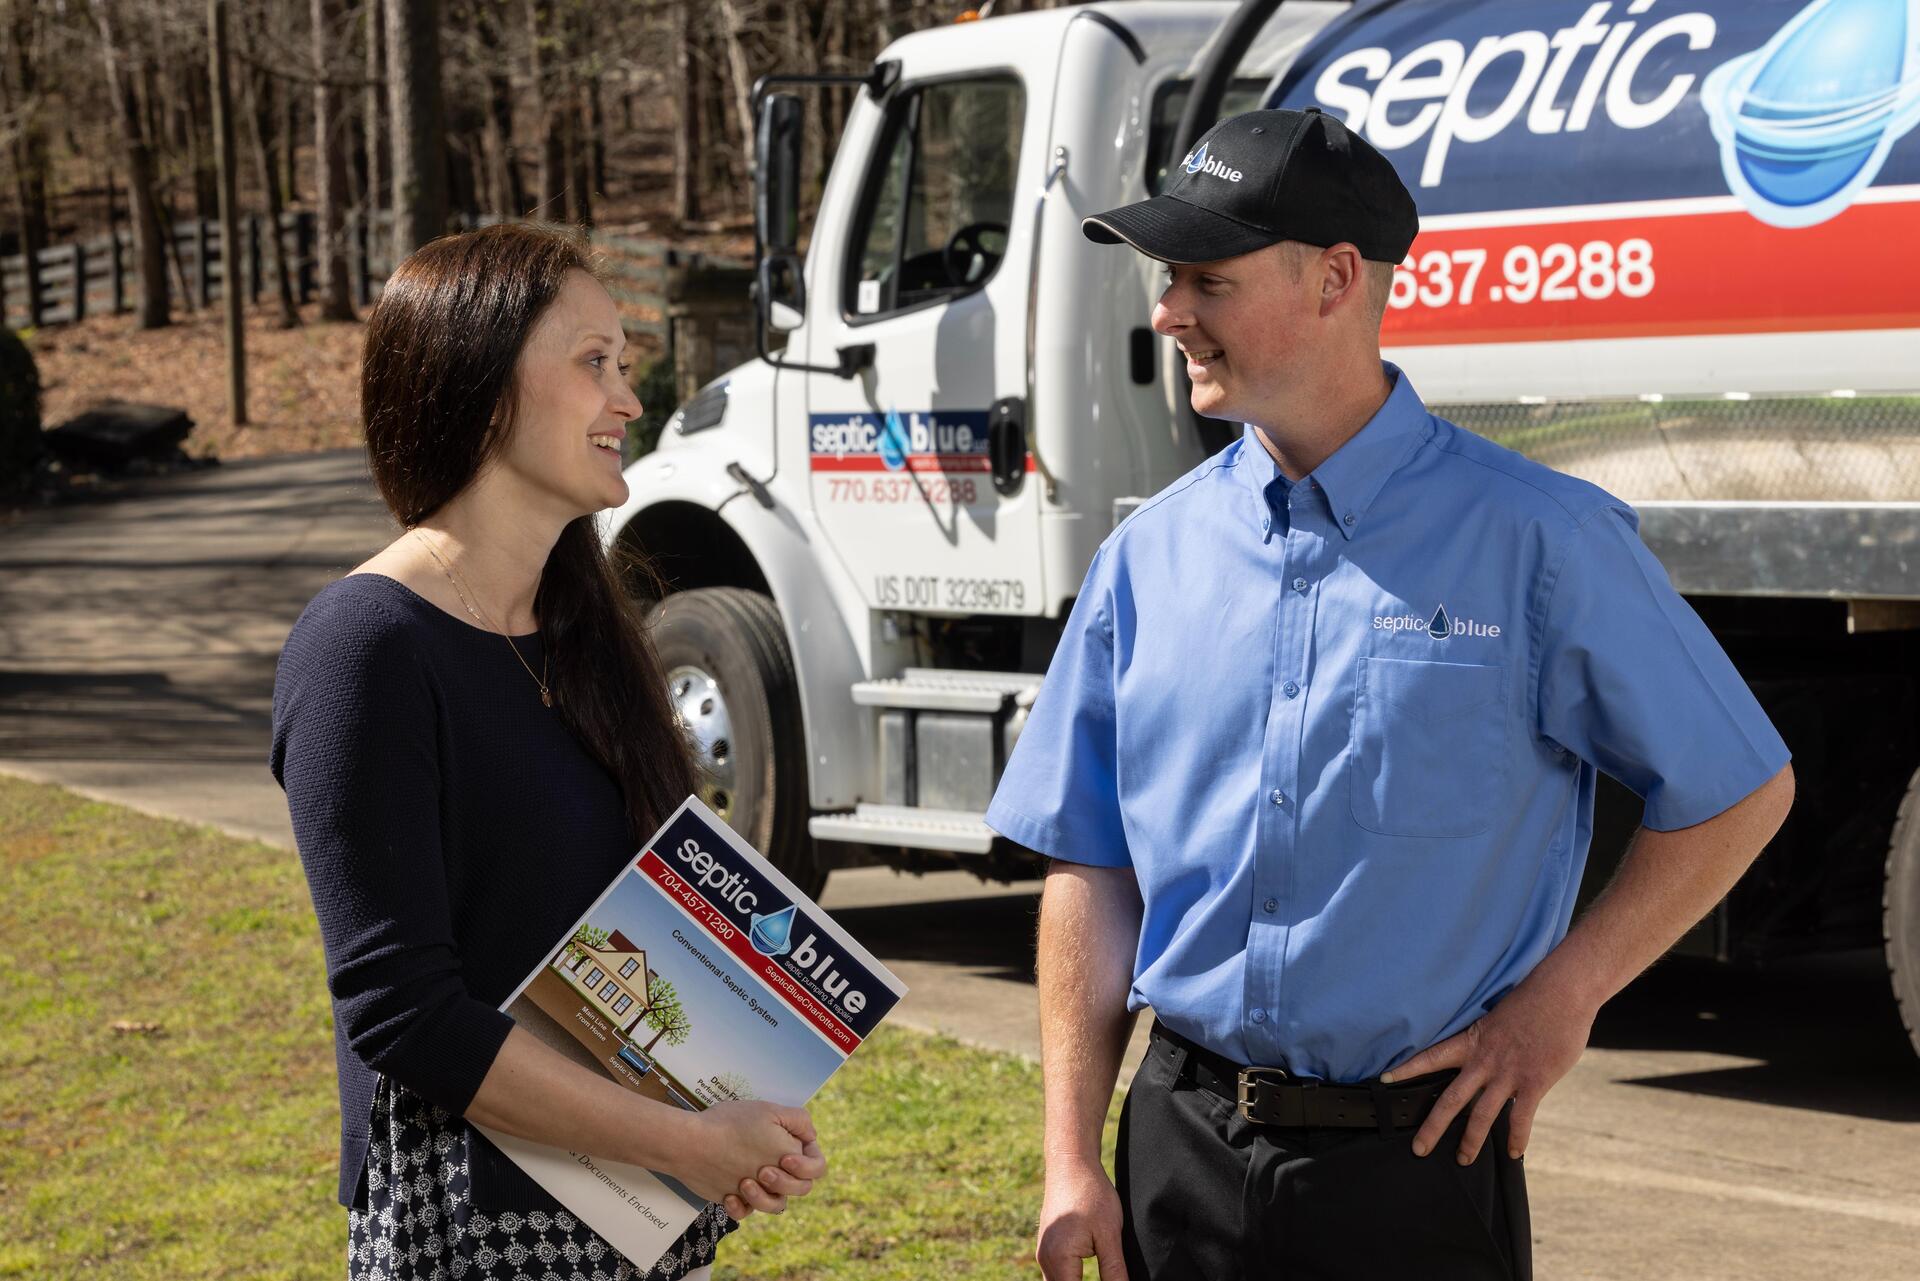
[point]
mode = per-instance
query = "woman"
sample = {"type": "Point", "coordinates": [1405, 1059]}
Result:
{"type": "Point", "coordinates": [474, 736]}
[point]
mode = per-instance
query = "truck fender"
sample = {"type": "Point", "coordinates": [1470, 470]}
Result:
{"type": "Point", "coordinates": [705, 528]}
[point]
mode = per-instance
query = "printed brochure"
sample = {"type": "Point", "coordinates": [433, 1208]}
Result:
{"type": "Point", "coordinates": [700, 975]}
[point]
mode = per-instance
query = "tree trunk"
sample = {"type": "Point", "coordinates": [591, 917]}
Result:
{"type": "Point", "coordinates": [289, 121]}
{"type": "Point", "coordinates": [577, 147]}
{"type": "Point", "coordinates": [261, 117]}
{"type": "Point", "coordinates": [596, 140]}
{"type": "Point", "coordinates": [222, 95]}
{"type": "Point", "coordinates": [686, 110]}
{"type": "Point", "coordinates": [742, 80]}
{"type": "Point", "coordinates": [419, 132]}
{"type": "Point", "coordinates": [372, 112]}
{"type": "Point", "coordinates": [200, 147]}
{"type": "Point", "coordinates": [20, 101]}
{"type": "Point", "coordinates": [329, 169]}
{"type": "Point", "coordinates": [553, 160]}
{"type": "Point", "coordinates": [505, 194]}
{"type": "Point", "coordinates": [149, 244]}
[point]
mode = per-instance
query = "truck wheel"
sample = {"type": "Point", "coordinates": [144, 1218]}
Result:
{"type": "Point", "coordinates": [730, 677]}
{"type": "Point", "coordinates": [1900, 911]}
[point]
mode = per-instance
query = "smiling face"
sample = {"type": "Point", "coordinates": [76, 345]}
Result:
{"type": "Point", "coordinates": [572, 403]}
{"type": "Point", "coordinates": [1254, 328]}
{"type": "Point", "coordinates": [1242, 323]}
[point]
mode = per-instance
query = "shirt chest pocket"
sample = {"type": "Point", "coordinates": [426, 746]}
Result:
{"type": "Point", "coordinates": [1429, 747]}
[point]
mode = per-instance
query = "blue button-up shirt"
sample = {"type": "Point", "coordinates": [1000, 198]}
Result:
{"type": "Point", "coordinates": [1346, 733]}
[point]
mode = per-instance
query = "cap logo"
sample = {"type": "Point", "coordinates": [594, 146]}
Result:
{"type": "Point", "coordinates": [1198, 162]}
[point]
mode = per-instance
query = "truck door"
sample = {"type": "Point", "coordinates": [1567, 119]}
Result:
{"type": "Point", "coordinates": [932, 275]}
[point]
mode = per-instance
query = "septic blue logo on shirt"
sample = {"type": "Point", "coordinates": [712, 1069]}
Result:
{"type": "Point", "coordinates": [1806, 120]}
{"type": "Point", "coordinates": [894, 443]}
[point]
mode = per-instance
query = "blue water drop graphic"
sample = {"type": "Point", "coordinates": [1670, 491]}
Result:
{"type": "Point", "coordinates": [1440, 626]}
{"type": "Point", "coordinates": [1806, 120]}
{"type": "Point", "coordinates": [771, 933]}
{"type": "Point", "coordinates": [894, 442]}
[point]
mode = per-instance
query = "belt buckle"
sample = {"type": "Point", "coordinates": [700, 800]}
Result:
{"type": "Point", "coordinates": [1250, 1081]}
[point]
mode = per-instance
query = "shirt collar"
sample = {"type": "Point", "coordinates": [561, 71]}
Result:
{"type": "Point", "coordinates": [1353, 477]}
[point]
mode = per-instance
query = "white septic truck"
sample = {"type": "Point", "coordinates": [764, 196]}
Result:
{"type": "Point", "coordinates": [1672, 246]}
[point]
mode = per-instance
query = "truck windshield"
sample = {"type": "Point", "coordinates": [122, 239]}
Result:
{"type": "Point", "coordinates": [1169, 100]}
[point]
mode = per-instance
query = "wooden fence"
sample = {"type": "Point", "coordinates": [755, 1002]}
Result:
{"type": "Point", "coordinates": [69, 282]}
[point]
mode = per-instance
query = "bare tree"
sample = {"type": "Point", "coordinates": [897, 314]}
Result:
{"type": "Point", "coordinates": [261, 116]}
{"type": "Point", "coordinates": [24, 112]}
{"type": "Point", "coordinates": [553, 160]}
{"type": "Point", "coordinates": [686, 110]}
{"type": "Point", "coordinates": [504, 192]}
{"type": "Point", "coordinates": [222, 99]}
{"type": "Point", "coordinates": [329, 165]}
{"type": "Point", "coordinates": [148, 238]}
{"type": "Point", "coordinates": [372, 105]}
{"type": "Point", "coordinates": [413, 95]}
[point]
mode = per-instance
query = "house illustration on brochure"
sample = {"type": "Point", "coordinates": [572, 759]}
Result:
{"type": "Point", "coordinates": [611, 972]}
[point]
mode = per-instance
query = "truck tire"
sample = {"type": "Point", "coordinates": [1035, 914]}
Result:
{"type": "Point", "coordinates": [1900, 911]}
{"type": "Point", "coordinates": [731, 678]}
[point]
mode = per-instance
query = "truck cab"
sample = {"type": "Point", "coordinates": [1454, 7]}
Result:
{"type": "Point", "coordinates": [905, 498]}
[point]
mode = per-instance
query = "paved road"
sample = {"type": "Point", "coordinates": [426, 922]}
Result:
{"type": "Point", "coordinates": [1723, 1124]}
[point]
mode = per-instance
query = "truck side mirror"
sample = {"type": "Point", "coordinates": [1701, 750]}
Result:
{"type": "Point", "coordinates": [781, 292]}
{"type": "Point", "coordinates": [776, 171]}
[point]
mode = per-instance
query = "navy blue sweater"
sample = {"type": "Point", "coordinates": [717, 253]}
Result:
{"type": "Point", "coordinates": [451, 829]}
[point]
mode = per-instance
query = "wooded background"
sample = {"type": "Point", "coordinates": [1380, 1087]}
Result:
{"type": "Point", "coordinates": [631, 116]}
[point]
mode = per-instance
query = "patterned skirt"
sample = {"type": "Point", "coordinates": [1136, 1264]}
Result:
{"type": "Point", "coordinates": [420, 1222]}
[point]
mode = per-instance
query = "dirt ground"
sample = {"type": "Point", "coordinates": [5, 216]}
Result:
{"type": "Point", "coordinates": [302, 384]}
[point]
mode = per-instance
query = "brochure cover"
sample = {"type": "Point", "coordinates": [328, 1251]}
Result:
{"type": "Point", "coordinates": [700, 975]}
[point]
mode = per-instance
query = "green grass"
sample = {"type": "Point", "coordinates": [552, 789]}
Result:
{"type": "Point", "coordinates": [206, 1148]}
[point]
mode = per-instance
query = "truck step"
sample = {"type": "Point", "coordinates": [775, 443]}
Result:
{"type": "Point", "coordinates": [938, 690]}
{"type": "Point", "coordinates": [955, 830]}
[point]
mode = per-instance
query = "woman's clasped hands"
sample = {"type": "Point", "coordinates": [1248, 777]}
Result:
{"type": "Point", "coordinates": [751, 1155]}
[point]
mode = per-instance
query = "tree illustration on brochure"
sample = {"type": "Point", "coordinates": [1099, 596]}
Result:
{"type": "Point", "coordinates": [585, 937]}
{"type": "Point", "coordinates": [734, 1086]}
{"type": "Point", "coordinates": [665, 1015]}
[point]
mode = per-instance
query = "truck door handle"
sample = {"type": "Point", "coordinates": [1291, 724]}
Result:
{"type": "Point", "coordinates": [1007, 444]}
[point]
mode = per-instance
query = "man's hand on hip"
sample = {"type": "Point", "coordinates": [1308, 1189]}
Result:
{"type": "Point", "coordinates": [1079, 1220]}
{"type": "Point", "coordinates": [1518, 1051]}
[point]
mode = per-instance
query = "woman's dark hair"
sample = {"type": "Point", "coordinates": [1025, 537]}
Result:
{"type": "Point", "coordinates": [437, 396]}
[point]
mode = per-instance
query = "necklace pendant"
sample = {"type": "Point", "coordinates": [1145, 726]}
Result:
{"type": "Point", "coordinates": [546, 698]}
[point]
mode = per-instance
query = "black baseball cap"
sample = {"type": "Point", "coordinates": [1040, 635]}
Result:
{"type": "Point", "coordinates": [1267, 176]}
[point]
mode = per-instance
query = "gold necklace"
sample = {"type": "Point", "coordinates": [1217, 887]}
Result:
{"type": "Point", "coordinates": [546, 693]}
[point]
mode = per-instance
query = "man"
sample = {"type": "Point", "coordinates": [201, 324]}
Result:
{"type": "Point", "coordinates": [1315, 764]}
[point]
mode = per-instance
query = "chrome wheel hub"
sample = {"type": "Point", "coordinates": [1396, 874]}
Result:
{"type": "Point", "coordinates": [702, 710]}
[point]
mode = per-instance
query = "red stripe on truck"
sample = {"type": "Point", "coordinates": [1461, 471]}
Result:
{"type": "Point", "coordinates": [1639, 277]}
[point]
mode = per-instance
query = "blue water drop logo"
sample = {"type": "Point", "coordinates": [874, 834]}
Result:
{"type": "Point", "coordinates": [894, 442]}
{"type": "Point", "coordinates": [771, 933]}
{"type": "Point", "coordinates": [1198, 160]}
{"type": "Point", "coordinates": [1440, 626]}
{"type": "Point", "coordinates": [1806, 120]}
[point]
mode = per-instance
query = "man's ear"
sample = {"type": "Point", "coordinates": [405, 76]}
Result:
{"type": "Point", "coordinates": [1343, 278]}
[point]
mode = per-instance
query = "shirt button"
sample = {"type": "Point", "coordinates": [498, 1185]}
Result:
{"type": "Point", "coordinates": [1349, 518]}
{"type": "Point", "coordinates": [1266, 524]}
{"type": "Point", "coordinates": [1257, 1014]}
{"type": "Point", "coordinates": [1292, 689]}
{"type": "Point", "coordinates": [1271, 905]}
{"type": "Point", "coordinates": [1299, 584]}
{"type": "Point", "coordinates": [1277, 796]}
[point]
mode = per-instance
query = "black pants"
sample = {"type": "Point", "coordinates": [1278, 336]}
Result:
{"type": "Point", "coordinates": [1211, 1196]}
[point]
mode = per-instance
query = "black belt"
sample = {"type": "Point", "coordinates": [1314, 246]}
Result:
{"type": "Point", "coordinates": [1269, 1096]}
